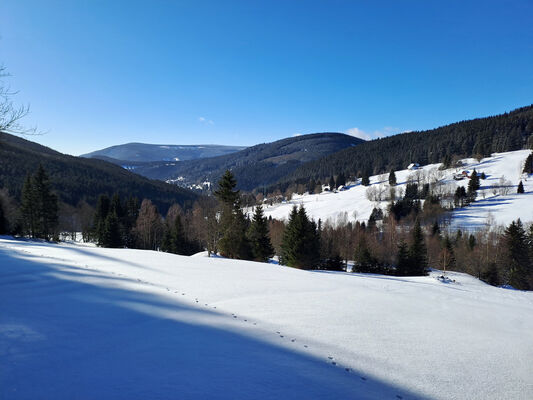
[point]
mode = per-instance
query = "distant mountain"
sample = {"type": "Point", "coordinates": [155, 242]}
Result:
{"type": "Point", "coordinates": [254, 166]}
{"type": "Point", "coordinates": [144, 152]}
{"type": "Point", "coordinates": [76, 178]}
{"type": "Point", "coordinates": [477, 137]}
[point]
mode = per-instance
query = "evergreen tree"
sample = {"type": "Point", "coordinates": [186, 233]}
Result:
{"type": "Point", "coordinates": [301, 241]}
{"type": "Point", "coordinates": [473, 186]}
{"type": "Point", "coordinates": [39, 206]}
{"type": "Point", "coordinates": [517, 256]}
{"type": "Point", "coordinates": [233, 243]}
{"type": "Point", "coordinates": [332, 183]}
{"type": "Point", "coordinates": [403, 267]}
{"type": "Point", "coordinates": [417, 252]}
{"type": "Point", "coordinates": [520, 188]}
{"type": "Point", "coordinates": [528, 166]}
{"type": "Point", "coordinates": [365, 180]}
{"type": "Point", "coordinates": [392, 178]}
{"type": "Point", "coordinates": [111, 235]}
{"type": "Point", "coordinates": [3, 220]}
{"type": "Point", "coordinates": [46, 205]}
{"type": "Point", "coordinates": [341, 180]}
{"type": "Point", "coordinates": [259, 237]}
{"type": "Point", "coordinates": [100, 215]}
{"type": "Point", "coordinates": [28, 209]}
{"type": "Point", "coordinates": [363, 259]}
{"type": "Point", "coordinates": [459, 198]}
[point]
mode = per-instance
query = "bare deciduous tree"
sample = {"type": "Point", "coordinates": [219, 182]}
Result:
{"type": "Point", "coordinates": [10, 115]}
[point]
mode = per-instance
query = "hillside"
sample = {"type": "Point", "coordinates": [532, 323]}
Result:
{"type": "Point", "coordinates": [353, 203]}
{"type": "Point", "coordinates": [75, 178]}
{"type": "Point", "coordinates": [123, 324]}
{"type": "Point", "coordinates": [478, 137]}
{"type": "Point", "coordinates": [143, 152]}
{"type": "Point", "coordinates": [254, 166]}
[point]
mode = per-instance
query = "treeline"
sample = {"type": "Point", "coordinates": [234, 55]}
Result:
{"type": "Point", "coordinates": [474, 138]}
{"type": "Point", "coordinates": [406, 243]}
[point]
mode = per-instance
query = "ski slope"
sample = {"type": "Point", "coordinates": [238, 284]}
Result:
{"type": "Point", "coordinates": [352, 204]}
{"type": "Point", "coordinates": [80, 322]}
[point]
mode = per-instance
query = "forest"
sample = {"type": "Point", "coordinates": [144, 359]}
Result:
{"type": "Point", "coordinates": [407, 241]}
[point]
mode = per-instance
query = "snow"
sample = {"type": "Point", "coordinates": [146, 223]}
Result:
{"type": "Point", "coordinates": [352, 203]}
{"type": "Point", "coordinates": [86, 322]}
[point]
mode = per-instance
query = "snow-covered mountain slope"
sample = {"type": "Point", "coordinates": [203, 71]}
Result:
{"type": "Point", "coordinates": [85, 322]}
{"type": "Point", "coordinates": [353, 203]}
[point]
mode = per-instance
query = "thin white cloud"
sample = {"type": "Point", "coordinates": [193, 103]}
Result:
{"type": "Point", "coordinates": [378, 133]}
{"type": "Point", "coordinates": [358, 133]}
{"type": "Point", "coordinates": [297, 134]}
{"type": "Point", "coordinates": [205, 121]}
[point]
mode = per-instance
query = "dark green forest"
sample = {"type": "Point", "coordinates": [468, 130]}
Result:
{"type": "Point", "coordinates": [75, 179]}
{"type": "Point", "coordinates": [477, 137]}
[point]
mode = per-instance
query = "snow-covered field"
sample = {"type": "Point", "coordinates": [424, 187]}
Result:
{"type": "Point", "coordinates": [79, 322]}
{"type": "Point", "coordinates": [352, 204]}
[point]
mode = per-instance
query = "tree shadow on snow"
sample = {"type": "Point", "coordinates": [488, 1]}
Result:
{"type": "Point", "coordinates": [69, 333]}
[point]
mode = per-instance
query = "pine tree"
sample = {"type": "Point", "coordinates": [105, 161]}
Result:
{"type": "Point", "coordinates": [528, 166]}
{"type": "Point", "coordinates": [332, 183]}
{"type": "Point", "coordinates": [363, 259]}
{"type": "Point", "coordinates": [233, 243]}
{"type": "Point", "coordinates": [473, 186]}
{"type": "Point", "coordinates": [39, 208]}
{"type": "Point", "coordinates": [27, 209]}
{"type": "Point", "coordinates": [3, 220]}
{"type": "Point", "coordinates": [517, 256]}
{"type": "Point", "coordinates": [341, 180]}
{"type": "Point", "coordinates": [459, 198]}
{"type": "Point", "coordinates": [262, 248]}
{"type": "Point", "coordinates": [402, 268]}
{"type": "Point", "coordinates": [46, 205]}
{"type": "Point", "coordinates": [520, 188]}
{"type": "Point", "coordinates": [417, 252]}
{"type": "Point", "coordinates": [392, 178]}
{"type": "Point", "coordinates": [365, 180]}
{"type": "Point", "coordinates": [111, 235]}
{"type": "Point", "coordinates": [100, 215]}
{"type": "Point", "coordinates": [301, 241]}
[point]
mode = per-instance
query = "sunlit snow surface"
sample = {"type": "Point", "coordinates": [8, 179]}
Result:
{"type": "Point", "coordinates": [79, 322]}
{"type": "Point", "coordinates": [353, 203]}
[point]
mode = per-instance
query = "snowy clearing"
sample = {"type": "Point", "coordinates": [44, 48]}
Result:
{"type": "Point", "coordinates": [85, 322]}
{"type": "Point", "coordinates": [352, 204]}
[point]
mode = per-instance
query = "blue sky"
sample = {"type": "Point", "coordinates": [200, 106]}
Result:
{"type": "Point", "coordinates": [99, 73]}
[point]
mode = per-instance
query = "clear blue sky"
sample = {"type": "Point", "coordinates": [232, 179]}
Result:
{"type": "Point", "coordinates": [99, 73]}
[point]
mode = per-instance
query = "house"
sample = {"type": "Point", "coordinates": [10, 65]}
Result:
{"type": "Point", "coordinates": [413, 166]}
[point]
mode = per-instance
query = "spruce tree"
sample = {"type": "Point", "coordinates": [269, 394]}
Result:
{"type": "Point", "coordinates": [403, 267]}
{"type": "Point", "coordinates": [341, 180]}
{"type": "Point", "coordinates": [363, 259]}
{"type": "Point", "coordinates": [28, 208]}
{"type": "Point", "coordinates": [46, 205]}
{"type": "Point", "coordinates": [528, 166]}
{"type": "Point", "coordinates": [259, 237]}
{"type": "Point", "coordinates": [233, 243]}
{"type": "Point", "coordinates": [473, 186]}
{"type": "Point", "coordinates": [520, 188]}
{"type": "Point", "coordinates": [102, 210]}
{"type": "Point", "coordinates": [332, 183]}
{"type": "Point", "coordinates": [365, 180]}
{"type": "Point", "coordinates": [518, 263]}
{"type": "Point", "coordinates": [392, 178]}
{"type": "Point", "coordinates": [3, 220]}
{"type": "Point", "coordinates": [418, 252]}
{"type": "Point", "coordinates": [301, 241]}
{"type": "Point", "coordinates": [111, 235]}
